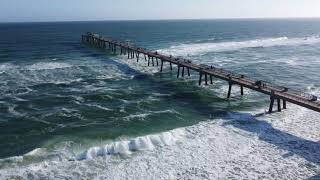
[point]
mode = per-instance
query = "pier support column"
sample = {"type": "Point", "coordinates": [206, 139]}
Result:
{"type": "Point", "coordinates": [148, 60]}
{"type": "Point", "coordinates": [171, 66]}
{"type": "Point", "coordinates": [271, 102]}
{"type": "Point", "coordinates": [137, 56]}
{"type": "Point", "coordinates": [188, 71]}
{"type": "Point", "coordinates": [206, 78]}
{"type": "Point", "coordinates": [241, 87]}
{"type": "Point", "coordinates": [128, 53]}
{"type": "Point", "coordinates": [229, 91]}
{"type": "Point", "coordinates": [161, 66]}
{"type": "Point", "coordinates": [279, 104]}
{"type": "Point", "coordinates": [152, 61]}
{"type": "Point", "coordinates": [183, 71]}
{"type": "Point", "coordinates": [178, 74]}
{"type": "Point", "coordinates": [211, 81]}
{"type": "Point", "coordinates": [284, 104]}
{"type": "Point", "coordinates": [200, 78]}
{"type": "Point", "coordinates": [145, 57]}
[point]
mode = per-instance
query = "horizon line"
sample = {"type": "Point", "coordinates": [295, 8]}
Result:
{"type": "Point", "coordinates": [178, 19]}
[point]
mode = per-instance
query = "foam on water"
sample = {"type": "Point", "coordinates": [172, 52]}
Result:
{"type": "Point", "coordinates": [142, 116]}
{"type": "Point", "coordinates": [141, 66]}
{"type": "Point", "coordinates": [11, 110]}
{"type": "Point", "coordinates": [237, 147]}
{"type": "Point", "coordinates": [23, 76]}
{"type": "Point", "coordinates": [99, 107]}
{"type": "Point", "coordinates": [126, 147]}
{"type": "Point", "coordinates": [202, 48]}
{"type": "Point", "coordinates": [48, 65]}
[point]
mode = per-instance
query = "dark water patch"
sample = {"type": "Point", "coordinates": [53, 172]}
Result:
{"type": "Point", "coordinates": [48, 86]}
{"type": "Point", "coordinates": [43, 101]}
{"type": "Point", "coordinates": [3, 56]}
{"type": "Point", "coordinates": [93, 55]}
{"type": "Point", "coordinates": [24, 136]}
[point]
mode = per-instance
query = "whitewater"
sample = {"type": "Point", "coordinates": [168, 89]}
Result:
{"type": "Point", "coordinates": [209, 150]}
{"type": "Point", "coordinates": [202, 48]}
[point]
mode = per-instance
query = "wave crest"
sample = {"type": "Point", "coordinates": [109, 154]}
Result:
{"type": "Point", "coordinates": [126, 147]}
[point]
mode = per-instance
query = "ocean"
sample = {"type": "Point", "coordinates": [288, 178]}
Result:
{"type": "Point", "coordinates": [70, 111]}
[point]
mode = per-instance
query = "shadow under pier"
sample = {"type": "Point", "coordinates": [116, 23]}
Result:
{"type": "Point", "coordinates": [294, 145]}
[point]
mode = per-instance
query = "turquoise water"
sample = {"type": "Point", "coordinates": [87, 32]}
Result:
{"type": "Point", "coordinates": [59, 99]}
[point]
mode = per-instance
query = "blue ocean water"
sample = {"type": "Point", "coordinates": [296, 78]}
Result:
{"type": "Point", "coordinates": [67, 107]}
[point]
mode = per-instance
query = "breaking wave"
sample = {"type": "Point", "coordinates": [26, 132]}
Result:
{"type": "Point", "coordinates": [126, 147]}
{"type": "Point", "coordinates": [234, 147]}
{"type": "Point", "coordinates": [202, 48]}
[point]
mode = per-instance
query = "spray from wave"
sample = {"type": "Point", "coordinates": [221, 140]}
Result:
{"type": "Point", "coordinates": [202, 48]}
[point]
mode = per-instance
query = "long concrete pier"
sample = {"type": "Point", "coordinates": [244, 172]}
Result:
{"type": "Point", "coordinates": [280, 94]}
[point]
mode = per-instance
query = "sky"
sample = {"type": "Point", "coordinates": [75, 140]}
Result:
{"type": "Point", "coordinates": [86, 10]}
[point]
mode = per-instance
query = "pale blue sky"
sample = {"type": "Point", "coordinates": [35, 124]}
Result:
{"type": "Point", "coordinates": [82, 10]}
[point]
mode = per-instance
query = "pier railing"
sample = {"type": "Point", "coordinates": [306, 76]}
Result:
{"type": "Point", "coordinates": [278, 93]}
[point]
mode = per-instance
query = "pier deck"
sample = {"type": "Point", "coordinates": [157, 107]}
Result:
{"type": "Point", "coordinates": [277, 93]}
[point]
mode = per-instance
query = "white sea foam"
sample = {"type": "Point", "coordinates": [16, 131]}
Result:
{"type": "Point", "coordinates": [313, 89]}
{"type": "Point", "coordinates": [99, 107]}
{"type": "Point", "coordinates": [126, 147]}
{"type": "Point", "coordinates": [17, 76]}
{"type": "Point", "coordinates": [140, 66]}
{"type": "Point", "coordinates": [236, 148]}
{"type": "Point", "coordinates": [142, 116]}
{"type": "Point", "coordinates": [202, 48]}
{"type": "Point", "coordinates": [13, 111]}
{"type": "Point", "coordinates": [7, 66]}
{"type": "Point", "coordinates": [48, 65]}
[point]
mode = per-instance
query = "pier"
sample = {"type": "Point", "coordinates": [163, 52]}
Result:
{"type": "Point", "coordinates": [278, 94]}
